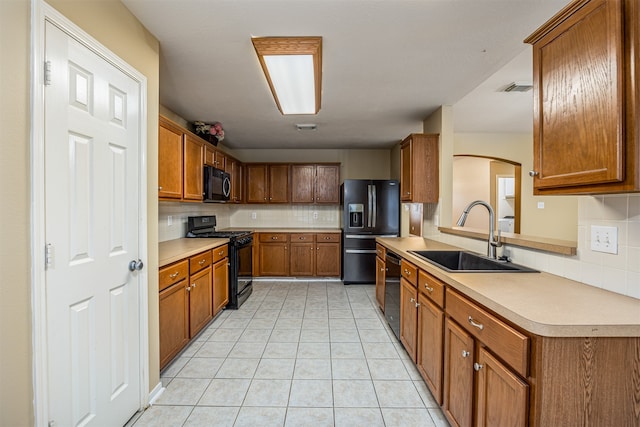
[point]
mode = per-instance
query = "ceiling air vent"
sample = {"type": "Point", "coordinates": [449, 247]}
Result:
{"type": "Point", "coordinates": [518, 87]}
{"type": "Point", "coordinates": [307, 126]}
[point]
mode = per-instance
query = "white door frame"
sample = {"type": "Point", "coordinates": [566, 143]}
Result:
{"type": "Point", "coordinates": [40, 13]}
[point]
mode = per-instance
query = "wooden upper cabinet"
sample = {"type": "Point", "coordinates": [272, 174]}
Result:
{"type": "Point", "coordinates": [303, 179]}
{"type": "Point", "coordinates": [586, 99]}
{"type": "Point", "coordinates": [327, 184]}
{"type": "Point", "coordinates": [315, 183]}
{"type": "Point", "coordinates": [234, 168]}
{"type": "Point", "coordinates": [279, 183]}
{"type": "Point", "coordinates": [170, 139]}
{"type": "Point", "coordinates": [257, 184]}
{"type": "Point", "coordinates": [419, 168]}
{"type": "Point", "coordinates": [193, 155]}
{"type": "Point", "coordinates": [267, 183]}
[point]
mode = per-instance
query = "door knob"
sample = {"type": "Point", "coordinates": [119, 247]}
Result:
{"type": "Point", "coordinates": [136, 265]}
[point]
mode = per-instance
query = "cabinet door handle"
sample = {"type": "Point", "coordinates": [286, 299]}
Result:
{"type": "Point", "coordinates": [477, 366]}
{"type": "Point", "coordinates": [465, 353]}
{"type": "Point", "coordinates": [188, 288]}
{"type": "Point", "coordinates": [476, 324]}
{"type": "Point", "coordinates": [193, 285]}
{"type": "Point", "coordinates": [413, 300]}
{"type": "Point", "coordinates": [428, 288]}
{"type": "Point", "coordinates": [174, 275]}
{"type": "Point", "coordinates": [160, 188]}
{"type": "Point", "coordinates": [533, 173]}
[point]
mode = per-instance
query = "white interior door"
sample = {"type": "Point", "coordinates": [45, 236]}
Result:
{"type": "Point", "coordinates": [92, 185]}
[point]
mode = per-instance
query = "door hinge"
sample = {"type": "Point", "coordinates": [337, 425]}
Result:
{"type": "Point", "coordinates": [47, 73]}
{"type": "Point", "coordinates": [48, 256]}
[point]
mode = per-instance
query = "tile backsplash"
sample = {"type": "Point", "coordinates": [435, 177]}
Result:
{"type": "Point", "coordinates": [250, 216]}
{"type": "Point", "coordinates": [618, 273]}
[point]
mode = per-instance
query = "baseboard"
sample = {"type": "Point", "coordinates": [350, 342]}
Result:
{"type": "Point", "coordinates": [156, 393]}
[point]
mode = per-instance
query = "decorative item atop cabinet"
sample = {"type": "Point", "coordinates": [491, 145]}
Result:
{"type": "Point", "coordinates": [587, 100]}
{"type": "Point", "coordinates": [211, 132]}
{"type": "Point", "coordinates": [419, 168]}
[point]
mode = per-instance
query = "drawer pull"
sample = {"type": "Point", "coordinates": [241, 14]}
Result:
{"type": "Point", "coordinates": [221, 253]}
{"type": "Point", "coordinates": [301, 238]}
{"type": "Point", "coordinates": [274, 237]}
{"type": "Point", "coordinates": [477, 366]}
{"type": "Point", "coordinates": [465, 353]}
{"type": "Point", "coordinates": [174, 275]}
{"type": "Point", "coordinates": [476, 324]}
{"type": "Point", "coordinates": [407, 272]}
{"type": "Point", "coordinates": [327, 238]}
{"type": "Point", "coordinates": [202, 261]}
{"type": "Point", "coordinates": [428, 288]}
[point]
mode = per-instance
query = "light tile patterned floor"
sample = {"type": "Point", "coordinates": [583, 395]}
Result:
{"type": "Point", "coordinates": [296, 354]}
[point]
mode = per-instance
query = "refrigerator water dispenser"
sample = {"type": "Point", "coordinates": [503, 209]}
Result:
{"type": "Point", "coordinates": [356, 215]}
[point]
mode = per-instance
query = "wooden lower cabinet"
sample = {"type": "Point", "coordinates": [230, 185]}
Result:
{"type": "Point", "coordinates": [501, 397]}
{"type": "Point", "coordinates": [220, 285]}
{"type": "Point", "coordinates": [273, 259]}
{"type": "Point", "coordinates": [430, 346]}
{"type": "Point", "coordinates": [409, 317]}
{"type": "Point", "coordinates": [200, 300]}
{"type": "Point", "coordinates": [302, 261]}
{"type": "Point", "coordinates": [173, 321]}
{"type": "Point", "coordinates": [328, 258]}
{"type": "Point", "coordinates": [458, 378]}
{"type": "Point", "coordinates": [192, 292]}
{"type": "Point", "coordinates": [297, 254]}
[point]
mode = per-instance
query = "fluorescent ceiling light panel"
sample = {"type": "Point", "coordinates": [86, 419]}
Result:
{"type": "Point", "coordinates": [292, 66]}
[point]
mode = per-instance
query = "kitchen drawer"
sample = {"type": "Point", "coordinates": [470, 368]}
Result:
{"type": "Point", "coordinates": [504, 341]}
{"type": "Point", "coordinates": [381, 251]}
{"type": "Point", "coordinates": [328, 238]}
{"type": "Point", "coordinates": [173, 274]}
{"type": "Point", "coordinates": [200, 261]}
{"type": "Point", "coordinates": [431, 287]}
{"type": "Point", "coordinates": [220, 252]}
{"type": "Point", "coordinates": [409, 272]}
{"type": "Point", "coordinates": [302, 237]}
{"type": "Point", "coordinates": [273, 237]}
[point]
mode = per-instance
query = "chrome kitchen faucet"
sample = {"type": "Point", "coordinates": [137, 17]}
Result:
{"type": "Point", "coordinates": [493, 243]}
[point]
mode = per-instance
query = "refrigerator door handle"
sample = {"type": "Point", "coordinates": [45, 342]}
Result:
{"type": "Point", "coordinates": [374, 203]}
{"type": "Point", "coordinates": [369, 210]}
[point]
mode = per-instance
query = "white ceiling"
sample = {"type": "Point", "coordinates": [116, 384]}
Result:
{"type": "Point", "coordinates": [387, 64]}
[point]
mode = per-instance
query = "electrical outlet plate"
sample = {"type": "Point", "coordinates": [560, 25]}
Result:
{"type": "Point", "coordinates": [604, 239]}
{"type": "Point", "coordinates": [169, 220]}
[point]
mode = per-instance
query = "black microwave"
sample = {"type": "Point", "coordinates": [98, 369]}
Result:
{"type": "Point", "coordinates": [217, 185]}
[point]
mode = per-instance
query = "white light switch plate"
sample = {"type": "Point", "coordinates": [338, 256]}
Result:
{"type": "Point", "coordinates": [604, 239]}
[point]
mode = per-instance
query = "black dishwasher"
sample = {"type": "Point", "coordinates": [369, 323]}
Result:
{"type": "Point", "coordinates": [392, 292]}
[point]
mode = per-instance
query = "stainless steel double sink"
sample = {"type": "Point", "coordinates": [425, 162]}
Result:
{"type": "Point", "coordinates": [467, 262]}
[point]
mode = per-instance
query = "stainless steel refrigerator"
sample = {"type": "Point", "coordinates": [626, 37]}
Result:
{"type": "Point", "coordinates": [370, 209]}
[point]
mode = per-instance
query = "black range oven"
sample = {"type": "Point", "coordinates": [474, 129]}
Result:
{"type": "Point", "coordinates": [240, 256]}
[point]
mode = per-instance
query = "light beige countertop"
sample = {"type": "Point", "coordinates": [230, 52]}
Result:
{"type": "Point", "coordinates": [541, 303]}
{"type": "Point", "coordinates": [175, 250]}
{"type": "Point", "coordinates": [287, 229]}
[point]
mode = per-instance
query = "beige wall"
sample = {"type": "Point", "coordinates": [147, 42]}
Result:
{"type": "Point", "coordinates": [112, 25]}
{"type": "Point", "coordinates": [16, 391]}
{"type": "Point", "coordinates": [559, 218]}
{"type": "Point", "coordinates": [356, 164]}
